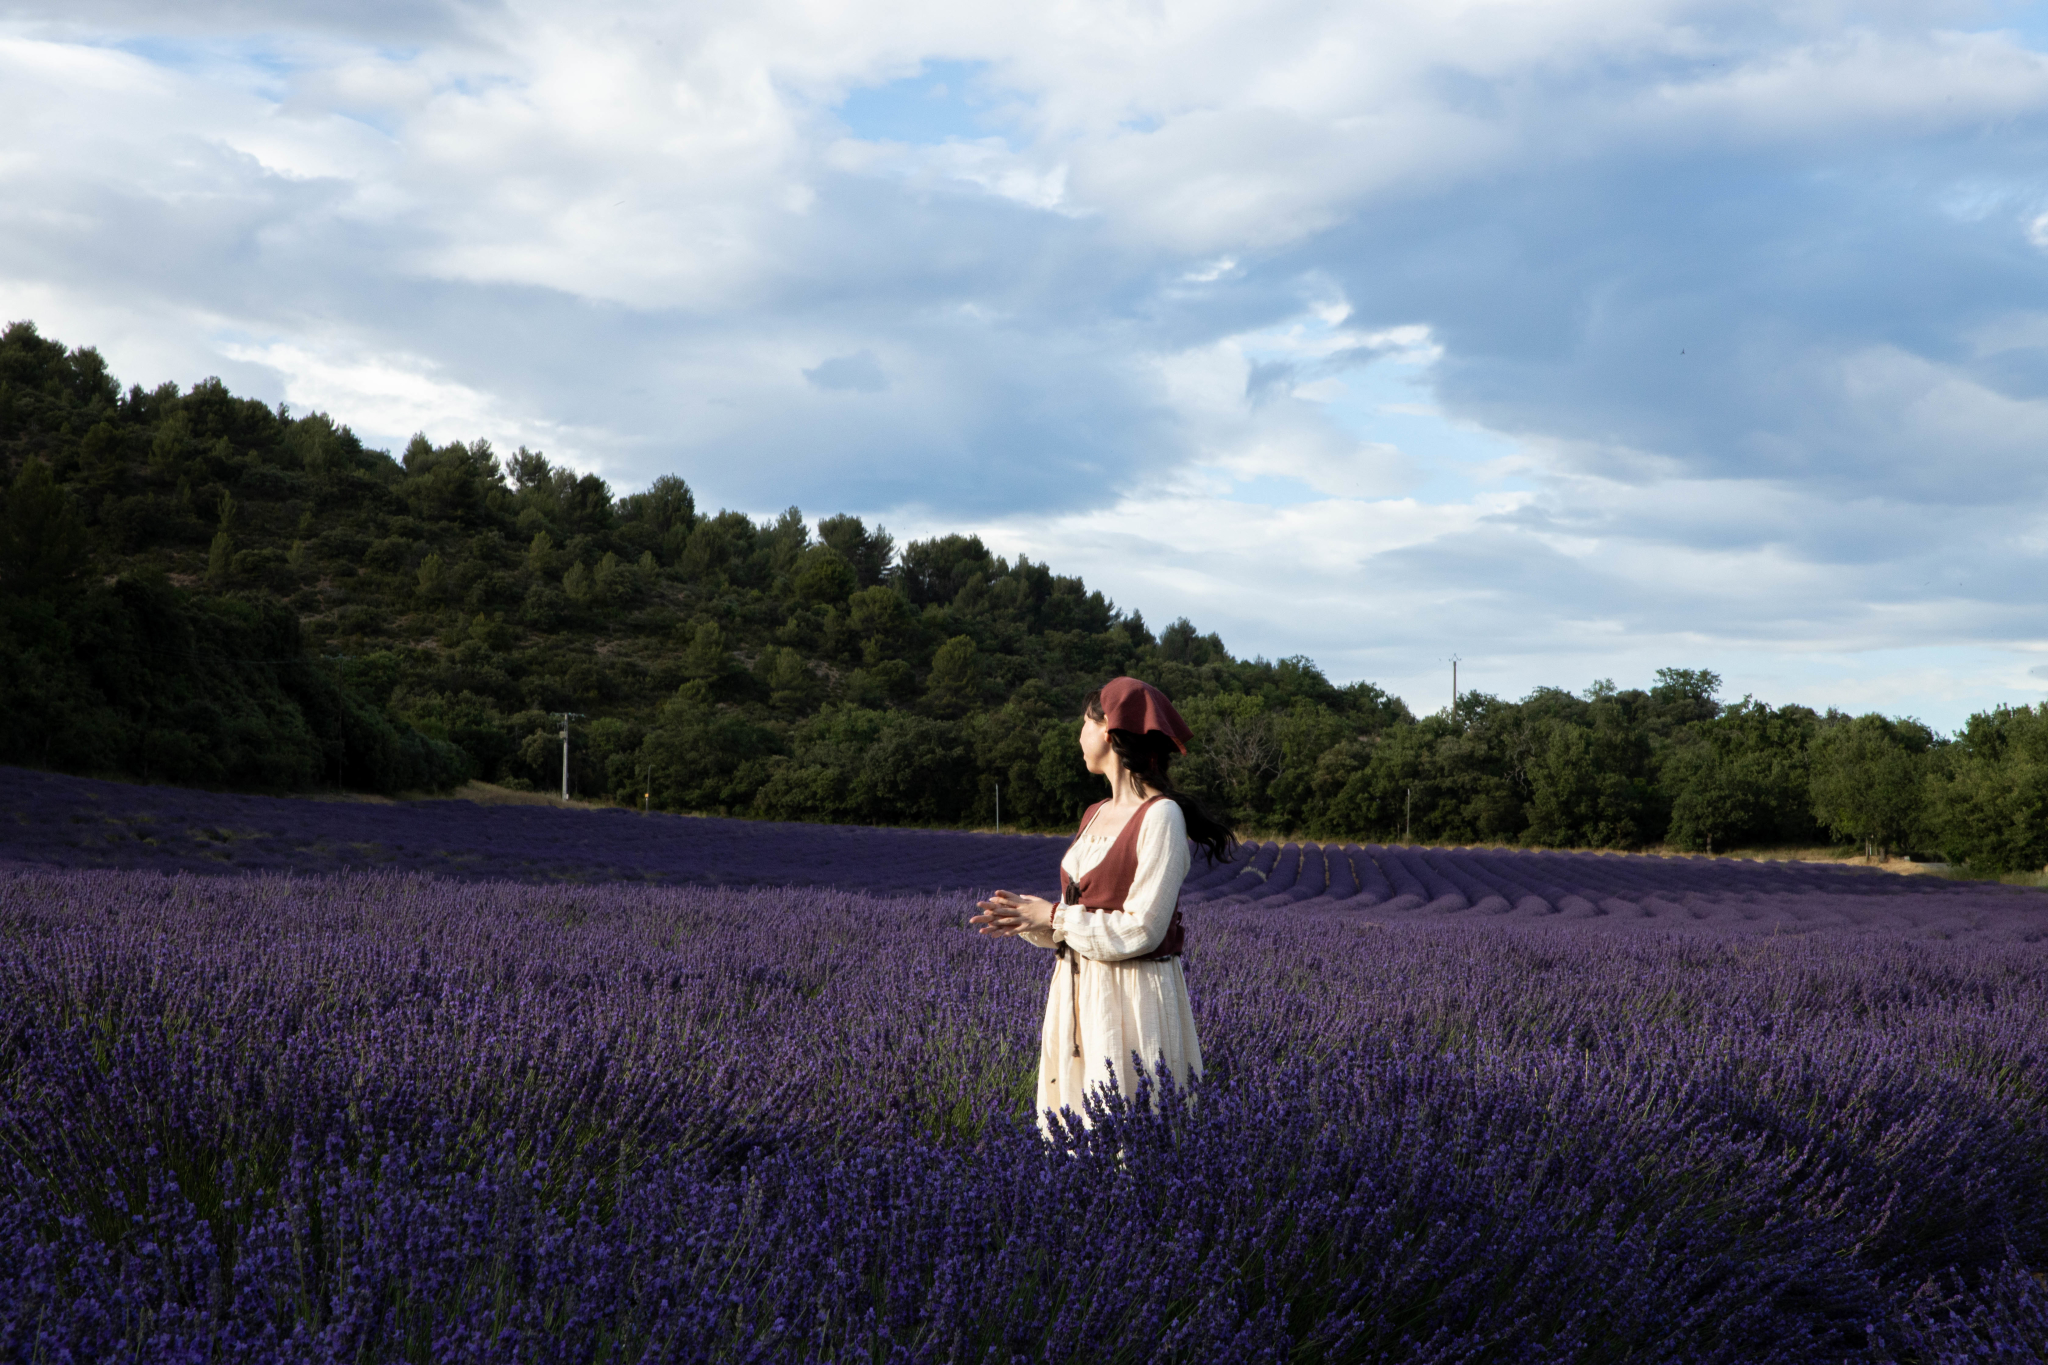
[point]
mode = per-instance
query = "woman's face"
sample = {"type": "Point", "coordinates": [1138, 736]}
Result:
{"type": "Point", "coordinates": [1095, 750]}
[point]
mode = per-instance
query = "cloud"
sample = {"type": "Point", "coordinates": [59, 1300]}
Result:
{"type": "Point", "coordinates": [1551, 335]}
{"type": "Point", "coordinates": [857, 372]}
{"type": "Point", "coordinates": [394, 393]}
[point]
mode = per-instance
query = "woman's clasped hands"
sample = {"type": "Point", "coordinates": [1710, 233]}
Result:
{"type": "Point", "coordinates": [1005, 914]}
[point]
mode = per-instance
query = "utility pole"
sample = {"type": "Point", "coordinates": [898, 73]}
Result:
{"type": "Point", "coordinates": [1408, 819]}
{"type": "Point", "coordinates": [999, 808]}
{"type": "Point", "coordinates": [565, 715]}
{"type": "Point", "coordinates": [1454, 687]}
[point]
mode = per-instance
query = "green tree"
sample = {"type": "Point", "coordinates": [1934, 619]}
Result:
{"type": "Point", "coordinates": [1180, 643]}
{"type": "Point", "coordinates": [785, 541]}
{"type": "Point", "coordinates": [1401, 788]}
{"type": "Point", "coordinates": [42, 539]}
{"type": "Point", "coordinates": [791, 686]}
{"type": "Point", "coordinates": [1586, 767]}
{"type": "Point", "coordinates": [918, 771]}
{"type": "Point", "coordinates": [708, 667]}
{"type": "Point", "coordinates": [868, 552]}
{"type": "Point", "coordinates": [705, 759]}
{"type": "Point", "coordinates": [719, 547]}
{"type": "Point", "coordinates": [937, 571]}
{"type": "Point", "coordinates": [540, 554]}
{"type": "Point", "coordinates": [1869, 780]}
{"type": "Point", "coordinates": [659, 521]}
{"type": "Point", "coordinates": [1302, 735]}
{"type": "Point", "coordinates": [1743, 777]}
{"type": "Point", "coordinates": [886, 681]}
{"type": "Point", "coordinates": [955, 682]}
{"type": "Point", "coordinates": [450, 483]}
{"type": "Point", "coordinates": [881, 617]}
{"type": "Point", "coordinates": [614, 582]}
{"type": "Point", "coordinates": [1234, 755]}
{"type": "Point", "coordinates": [1988, 793]}
{"type": "Point", "coordinates": [824, 577]}
{"type": "Point", "coordinates": [432, 578]}
{"type": "Point", "coordinates": [172, 443]}
{"type": "Point", "coordinates": [1684, 695]}
{"type": "Point", "coordinates": [220, 560]}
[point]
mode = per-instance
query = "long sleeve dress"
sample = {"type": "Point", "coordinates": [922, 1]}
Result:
{"type": "Point", "coordinates": [1124, 1001]}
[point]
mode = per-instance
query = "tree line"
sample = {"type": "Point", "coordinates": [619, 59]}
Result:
{"type": "Point", "coordinates": [199, 588]}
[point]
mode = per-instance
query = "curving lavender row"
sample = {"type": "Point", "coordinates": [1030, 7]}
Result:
{"type": "Point", "coordinates": [62, 821]}
{"type": "Point", "coordinates": [1666, 894]}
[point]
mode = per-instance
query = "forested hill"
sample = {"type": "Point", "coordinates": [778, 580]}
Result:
{"type": "Point", "coordinates": [201, 589]}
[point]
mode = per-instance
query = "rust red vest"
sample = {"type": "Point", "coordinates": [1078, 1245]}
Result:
{"type": "Point", "coordinates": [1105, 885]}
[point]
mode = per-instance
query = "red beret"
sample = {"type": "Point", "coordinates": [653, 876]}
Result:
{"type": "Point", "coordinates": [1128, 704]}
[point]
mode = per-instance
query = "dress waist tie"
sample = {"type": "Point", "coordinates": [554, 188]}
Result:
{"type": "Point", "coordinates": [1073, 897]}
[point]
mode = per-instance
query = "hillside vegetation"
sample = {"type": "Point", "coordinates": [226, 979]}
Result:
{"type": "Point", "coordinates": [201, 589]}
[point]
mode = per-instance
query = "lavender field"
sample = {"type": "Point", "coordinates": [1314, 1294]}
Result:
{"type": "Point", "coordinates": [439, 1082]}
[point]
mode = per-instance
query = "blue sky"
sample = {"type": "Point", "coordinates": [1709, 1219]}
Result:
{"type": "Point", "coordinates": [942, 100]}
{"type": "Point", "coordinates": [1577, 340]}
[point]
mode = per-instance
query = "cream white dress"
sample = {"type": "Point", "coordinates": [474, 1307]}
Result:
{"type": "Point", "coordinates": [1126, 1006]}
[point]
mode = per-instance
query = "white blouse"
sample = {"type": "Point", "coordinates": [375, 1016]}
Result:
{"type": "Point", "coordinates": [1140, 927]}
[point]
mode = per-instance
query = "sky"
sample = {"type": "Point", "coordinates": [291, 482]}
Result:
{"type": "Point", "coordinates": [1574, 339]}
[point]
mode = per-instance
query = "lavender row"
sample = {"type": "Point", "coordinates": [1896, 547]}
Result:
{"type": "Point", "coordinates": [61, 821]}
{"type": "Point", "coordinates": [76, 822]}
{"type": "Point", "coordinates": [379, 1117]}
{"type": "Point", "coordinates": [1662, 893]}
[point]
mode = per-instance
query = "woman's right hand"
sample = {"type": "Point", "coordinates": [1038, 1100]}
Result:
{"type": "Point", "coordinates": [1007, 914]}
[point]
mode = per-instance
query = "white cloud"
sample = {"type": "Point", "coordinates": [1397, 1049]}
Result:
{"type": "Point", "coordinates": [393, 395]}
{"type": "Point", "coordinates": [989, 164]}
{"type": "Point", "coordinates": [859, 372]}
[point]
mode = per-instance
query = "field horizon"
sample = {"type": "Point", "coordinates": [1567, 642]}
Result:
{"type": "Point", "coordinates": [480, 793]}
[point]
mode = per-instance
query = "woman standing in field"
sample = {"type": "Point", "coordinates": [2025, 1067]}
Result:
{"type": "Point", "coordinates": [1119, 988]}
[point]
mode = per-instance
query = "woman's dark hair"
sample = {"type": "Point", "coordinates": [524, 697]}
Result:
{"type": "Point", "coordinates": [1149, 758]}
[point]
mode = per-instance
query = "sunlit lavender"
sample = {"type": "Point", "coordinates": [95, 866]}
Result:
{"type": "Point", "coordinates": [610, 1092]}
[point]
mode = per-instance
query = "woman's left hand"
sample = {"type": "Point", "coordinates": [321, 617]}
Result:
{"type": "Point", "coordinates": [1006, 914]}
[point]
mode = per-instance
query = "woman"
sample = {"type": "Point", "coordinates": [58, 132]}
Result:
{"type": "Point", "coordinates": [1119, 988]}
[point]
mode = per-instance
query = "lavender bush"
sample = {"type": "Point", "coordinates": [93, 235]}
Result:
{"type": "Point", "coordinates": [1461, 1107]}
